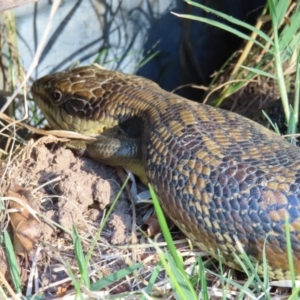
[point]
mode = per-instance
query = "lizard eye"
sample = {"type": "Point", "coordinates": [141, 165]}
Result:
{"type": "Point", "coordinates": [56, 95]}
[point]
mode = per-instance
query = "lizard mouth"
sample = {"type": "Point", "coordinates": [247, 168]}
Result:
{"type": "Point", "coordinates": [60, 118]}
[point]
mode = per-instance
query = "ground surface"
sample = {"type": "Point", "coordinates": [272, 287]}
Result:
{"type": "Point", "coordinates": [66, 190]}
{"type": "Point", "coordinates": [73, 187]}
{"type": "Point", "coordinates": [71, 190]}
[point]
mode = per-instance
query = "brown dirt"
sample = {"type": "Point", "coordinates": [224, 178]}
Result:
{"type": "Point", "coordinates": [78, 183]}
{"type": "Point", "coordinates": [71, 190]}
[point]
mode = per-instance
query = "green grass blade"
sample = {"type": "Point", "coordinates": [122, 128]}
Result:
{"type": "Point", "coordinates": [110, 279]}
{"type": "Point", "coordinates": [76, 283]}
{"type": "Point", "coordinates": [233, 21]}
{"type": "Point", "coordinates": [221, 276]}
{"type": "Point", "coordinates": [249, 269]}
{"type": "Point", "coordinates": [152, 279]}
{"type": "Point", "coordinates": [278, 62]}
{"type": "Point", "coordinates": [222, 26]}
{"type": "Point", "coordinates": [174, 281]}
{"type": "Point", "coordinates": [99, 58]}
{"type": "Point", "coordinates": [181, 285]}
{"type": "Point", "coordinates": [204, 291]}
{"type": "Point", "coordinates": [297, 95]}
{"type": "Point", "coordinates": [83, 270]}
{"type": "Point", "coordinates": [295, 294]}
{"type": "Point", "coordinates": [165, 230]}
{"type": "Point", "coordinates": [289, 33]}
{"type": "Point", "coordinates": [172, 263]}
{"type": "Point", "coordinates": [280, 10]}
{"type": "Point", "coordinates": [274, 125]}
{"type": "Point", "coordinates": [147, 59]}
{"type": "Point", "coordinates": [244, 289]}
{"type": "Point", "coordinates": [292, 126]}
{"type": "Point", "coordinates": [259, 72]}
{"type": "Point", "coordinates": [12, 262]}
{"type": "Point", "coordinates": [2, 294]}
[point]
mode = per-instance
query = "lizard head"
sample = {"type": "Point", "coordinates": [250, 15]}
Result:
{"type": "Point", "coordinates": [87, 100]}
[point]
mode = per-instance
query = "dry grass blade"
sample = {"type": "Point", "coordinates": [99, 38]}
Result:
{"type": "Point", "coordinates": [9, 4]}
{"type": "Point", "coordinates": [8, 287]}
{"type": "Point", "coordinates": [37, 55]}
{"type": "Point", "coordinates": [57, 133]}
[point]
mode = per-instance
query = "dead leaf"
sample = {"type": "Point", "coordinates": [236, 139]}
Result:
{"type": "Point", "coordinates": [62, 289]}
{"type": "Point", "coordinates": [151, 226]}
{"type": "Point", "coordinates": [26, 228]}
